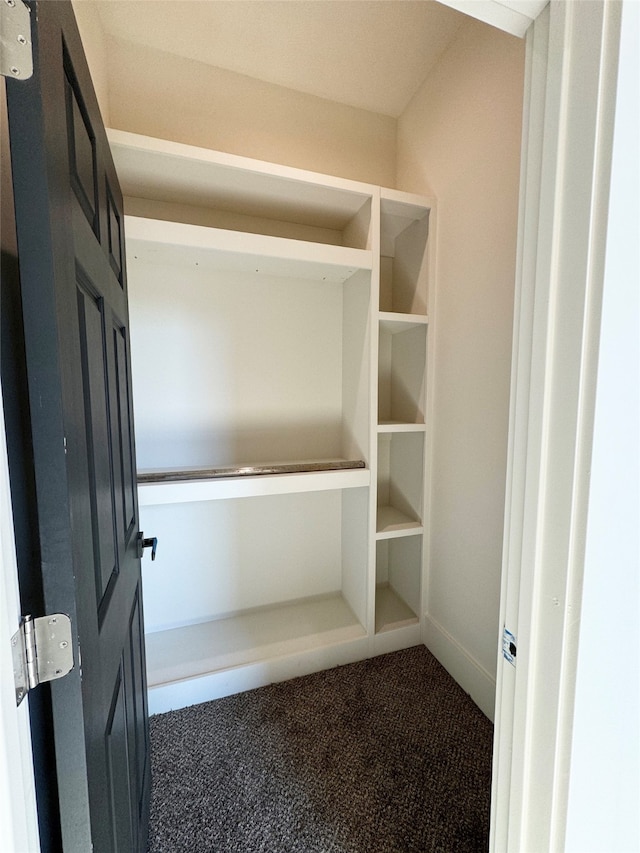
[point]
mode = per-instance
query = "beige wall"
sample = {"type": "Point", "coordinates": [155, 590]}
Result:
{"type": "Point", "coordinates": [95, 47]}
{"type": "Point", "coordinates": [158, 94]}
{"type": "Point", "coordinates": [460, 138]}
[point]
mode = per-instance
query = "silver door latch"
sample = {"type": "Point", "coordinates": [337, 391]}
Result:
{"type": "Point", "coordinates": [42, 650]}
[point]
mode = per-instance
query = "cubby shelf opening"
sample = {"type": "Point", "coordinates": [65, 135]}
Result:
{"type": "Point", "coordinates": [400, 484]}
{"type": "Point", "coordinates": [404, 229]}
{"type": "Point", "coordinates": [398, 582]}
{"type": "Point", "coordinates": [402, 353]}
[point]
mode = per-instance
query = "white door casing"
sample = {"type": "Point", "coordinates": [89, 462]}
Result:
{"type": "Point", "coordinates": [18, 815]}
{"type": "Point", "coordinates": [572, 59]}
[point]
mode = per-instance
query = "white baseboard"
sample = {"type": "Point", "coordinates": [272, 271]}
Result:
{"type": "Point", "coordinates": [461, 665]}
{"type": "Point", "coordinates": [192, 691]}
{"type": "Point", "coordinates": [394, 641]}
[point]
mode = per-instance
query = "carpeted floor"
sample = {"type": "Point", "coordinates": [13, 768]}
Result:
{"type": "Point", "coordinates": [384, 756]}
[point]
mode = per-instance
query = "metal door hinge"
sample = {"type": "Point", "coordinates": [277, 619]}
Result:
{"type": "Point", "coordinates": [16, 55]}
{"type": "Point", "coordinates": [42, 651]}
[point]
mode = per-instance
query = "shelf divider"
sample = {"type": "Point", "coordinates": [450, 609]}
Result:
{"type": "Point", "coordinates": [391, 522]}
{"type": "Point", "coordinates": [399, 426]}
{"type": "Point", "coordinates": [394, 322]}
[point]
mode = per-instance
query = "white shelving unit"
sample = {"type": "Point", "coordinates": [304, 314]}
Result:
{"type": "Point", "coordinates": [403, 398]}
{"type": "Point", "coordinates": [257, 338]}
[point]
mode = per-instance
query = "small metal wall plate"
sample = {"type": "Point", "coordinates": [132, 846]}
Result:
{"type": "Point", "coordinates": [509, 647]}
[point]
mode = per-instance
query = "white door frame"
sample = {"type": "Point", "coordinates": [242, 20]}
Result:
{"type": "Point", "coordinates": [18, 814]}
{"type": "Point", "coordinates": [572, 61]}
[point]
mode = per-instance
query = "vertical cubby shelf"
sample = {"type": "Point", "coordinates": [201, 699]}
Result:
{"type": "Point", "coordinates": [288, 506]}
{"type": "Point", "coordinates": [399, 529]}
{"type": "Point", "coordinates": [402, 410]}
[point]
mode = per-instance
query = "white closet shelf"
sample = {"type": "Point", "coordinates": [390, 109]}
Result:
{"type": "Point", "coordinates": [392, 523]}
{"type": "Point", "coordinates": [391, 611]}
{"type": "Point", "coordinates": [393, 322]}
{"type": "Point", "coordinates": [179, 244]}
{"type": "Point", "coordinates": [409, 206]}
{"type": "Point", "coordinates": [399, 426]}
{"type": "Point", "coordinates": [185, 174]}
{"type": "Point", "coordinates": [188, 491]}
{"type": "Point", "coordinates": [249, 637]}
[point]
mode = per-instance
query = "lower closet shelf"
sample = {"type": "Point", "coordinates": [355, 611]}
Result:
{"type": "Point", "coordinates": [195, 650]}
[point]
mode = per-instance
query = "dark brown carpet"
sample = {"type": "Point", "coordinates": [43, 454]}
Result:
{"type": "Point", "coordinates": [384, 756]}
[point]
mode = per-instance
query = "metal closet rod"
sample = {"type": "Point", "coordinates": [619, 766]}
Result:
{"type": "Point", "coordinates": [178, 475]}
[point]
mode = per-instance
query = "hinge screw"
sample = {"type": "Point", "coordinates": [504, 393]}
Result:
{"type": "Point", "coordinates": [53, 621]}
{"type": "Point", "coordinates": [22, 40]}
{"type": "Point", "coordinates": [15, 71]}
{"type": "Point", "coordinates": [10, 2]}
{"type": "Point", "coordinates": [64, 644]}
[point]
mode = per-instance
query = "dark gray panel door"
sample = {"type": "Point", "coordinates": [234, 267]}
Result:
{"type": "Point", "coordinates": [69, 222]}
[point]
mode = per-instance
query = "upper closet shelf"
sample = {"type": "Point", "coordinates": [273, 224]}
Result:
{"type": "Point", "coordinates": [185, 174]}
{"type": "Point", "coordinates": [176, 243]}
